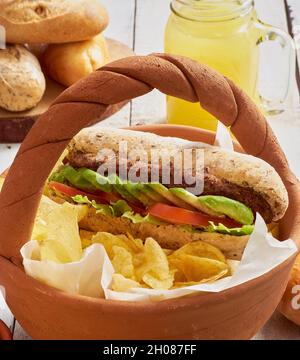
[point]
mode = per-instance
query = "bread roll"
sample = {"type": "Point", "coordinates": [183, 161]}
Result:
{"type": "Point", "coordinates": [52, 21]}
{"type": "Point", "coordinates": [22, 83]}
{"type": "Point", "coordinates": [68, 63]}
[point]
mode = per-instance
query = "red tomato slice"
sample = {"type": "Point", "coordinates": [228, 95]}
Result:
{"type": "Point", "coordinates": [176, 215]}
{"type": "Point", "coordinates": [100, 197]}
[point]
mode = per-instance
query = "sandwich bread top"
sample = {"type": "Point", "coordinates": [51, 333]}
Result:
{"type": "Point", "coordinates": [239, 176]}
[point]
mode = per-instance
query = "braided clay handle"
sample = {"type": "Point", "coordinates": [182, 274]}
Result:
{"type": "Point", "coordinates": [89, 99]}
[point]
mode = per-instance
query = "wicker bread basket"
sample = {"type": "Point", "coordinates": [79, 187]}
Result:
{"type": "Point", "coordinates": [46, 313]}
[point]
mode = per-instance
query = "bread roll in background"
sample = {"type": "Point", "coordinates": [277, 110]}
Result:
{"type": "Point", "coordinates": [68, 63]}
{"type": "Point", "coordinates": [22, 83]}
{"type": "Point", "coordinates": [52, 21]}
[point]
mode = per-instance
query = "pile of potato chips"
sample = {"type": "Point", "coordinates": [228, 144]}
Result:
{"type": "Point", "coordinates": [139, 264]}
{"type": "Point", "coordinates": [136, 263]}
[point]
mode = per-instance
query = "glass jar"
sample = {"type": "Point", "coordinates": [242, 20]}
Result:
{"type": "Point", "coordinates": [224, 34]}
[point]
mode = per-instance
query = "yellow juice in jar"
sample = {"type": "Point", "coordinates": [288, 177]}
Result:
{"type": "Point", "coordinates": [227, 45]}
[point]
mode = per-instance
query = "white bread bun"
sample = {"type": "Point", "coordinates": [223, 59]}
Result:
{"type": "Point", "coordinates": [68, 63]}
{"type": "Point", "coordinates": [52, 21]}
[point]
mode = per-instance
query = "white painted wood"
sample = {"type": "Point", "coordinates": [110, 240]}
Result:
{"type": "Point", "coordinates": [151, 18]}
{"type": "Point", "coordinates": [274, 65]}
{"type": "Point", "coordinates": [19, 333]}
{"type": "Point", "coordinates": [272, 12]}
{"type": "Point", "coordinates": [5, 314]}
{"type": "Point", "coordinates": [7, 154]}
{"type": "Point", "coordinates": [278, 328]}
{"type": "Point", "coordinates": [295, 14]}
{"type": "Point", "coordinates": [121, 27]}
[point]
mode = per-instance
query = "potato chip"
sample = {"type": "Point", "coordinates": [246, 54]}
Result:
{"type": "Point", "coordinates": [136, 245]}
{"type": "Point", "coordinates": [109, 241]}
{"type": "Point", "coordinates": [174, 264]}
{"type": "Point", "coordinates": [200, 269]}
{"type": "Point", "coordinates": [57, 231]}
{"type": "Point", "coordinates": [154, 267]}
{"type": "Point", "coordinates": [82, 211]}
{"type": "Point", "coordinates": [158, 284]}
{"type": "Point", "coordinates": [168, 252]}
{"type": "Point", "coordinates": [206, 281]}
{"type": "Point", "coordinates": [122, 262]}
{"type": "Point", "coordinates": [86, 238]}
{"type": "Point", "coordinates": [120, 283]}
{"type": "Point", "coordinates": [154, 260]}
{"type": "Point", "coordinates": [273, 228]}
{"type": "Point", "coordinates": [201, 249]}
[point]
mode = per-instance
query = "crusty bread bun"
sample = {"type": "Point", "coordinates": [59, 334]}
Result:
{"type": "Point", "coordinates": [242, 177]}
{"type": "Point", "coordinates": [22, 83]}
{"type": "Point", "coordinates": [68, 63]}
{"type": "Point", "coordinates": [52, 21]}
{"type": "Point", "coordinates": [290, 302]}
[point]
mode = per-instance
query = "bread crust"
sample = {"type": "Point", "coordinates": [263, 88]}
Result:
{"type": "Point", "coordinates": [52, 21]}
{"type": "Point", "coordinates": [243, 170]}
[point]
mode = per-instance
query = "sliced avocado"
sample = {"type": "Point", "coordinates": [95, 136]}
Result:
{"type": "Point", "coordinates": [118, 185]}
{"type": "Point", "coordinates": [96, 180]}
{"type": "Point", "coordinates": [193, 200]}
{"type": "Point", "coordinates": [134, 190]}
{"type": "Point", "coordinates": [167, 194]}
{"type": "Point", "coordinates": [73, 176]}
{"type": "Point", "coordinates": [232, 208]}
{"type": "Point", "coordinates": [153, 195]}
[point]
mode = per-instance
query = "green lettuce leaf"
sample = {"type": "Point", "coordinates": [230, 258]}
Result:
{"type": "Point", "coordinates": [120, 207]}
{"type": "Point", "coordinates": [137, 218]}
{"type": "Point", "coordinates": [114, 209]}
{"type": "Point", "coordinates": [222, 229]}
{"type": "Point", "coordinates": [103, 209]}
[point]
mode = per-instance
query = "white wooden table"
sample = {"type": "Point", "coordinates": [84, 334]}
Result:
{"type": "Point", "coordinates": [140, 24]}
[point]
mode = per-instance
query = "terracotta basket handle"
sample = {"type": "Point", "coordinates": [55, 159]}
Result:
{"type": "Point", "coordinates": [85, 102]}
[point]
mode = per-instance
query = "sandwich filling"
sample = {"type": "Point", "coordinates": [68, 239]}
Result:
{"type": "Point", "coordinates": [152, 203]}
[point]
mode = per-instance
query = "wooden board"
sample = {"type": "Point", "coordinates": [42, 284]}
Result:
{"type": "Point", "coordinates": [15, 126]}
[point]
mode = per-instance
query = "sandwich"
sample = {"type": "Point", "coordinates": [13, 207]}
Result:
{"type": "Point", "coordinates": [121, 196]}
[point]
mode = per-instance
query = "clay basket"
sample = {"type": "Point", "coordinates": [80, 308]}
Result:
{"type": "Point", "coordinates": [46, 313]}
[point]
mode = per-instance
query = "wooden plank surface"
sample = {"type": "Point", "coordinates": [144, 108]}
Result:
{"type": "Point", "coordinates": [140, 24]}
{"type": "Point", "coordinates": [121, 27]}
{"type": "Point", "coordinates": [293, 14]}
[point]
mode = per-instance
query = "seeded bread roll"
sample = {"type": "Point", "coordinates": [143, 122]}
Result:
{"type": "Point", "coordinates": [22, 83]}
{"type": "Point", "coordinates": [52, 21]}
